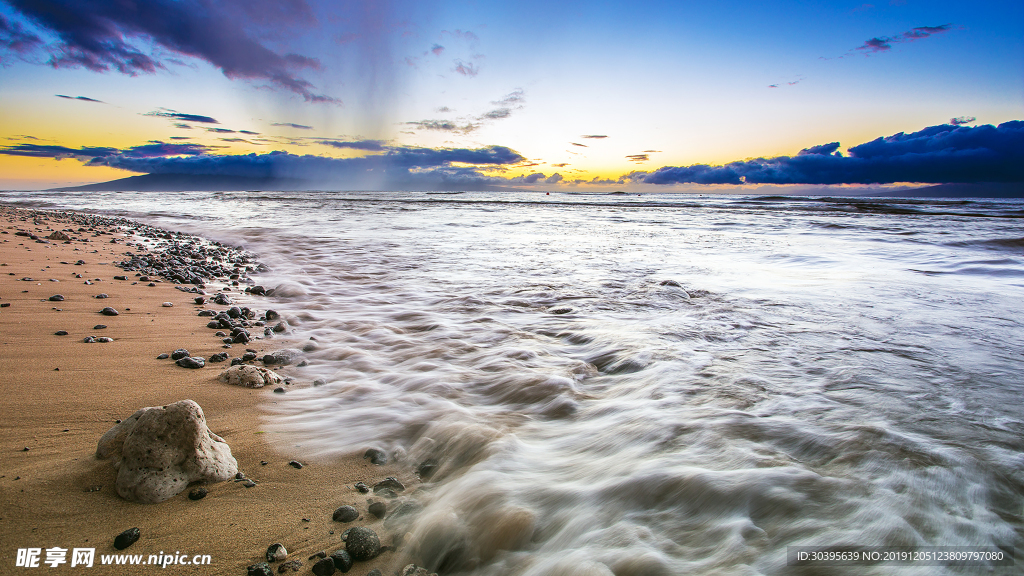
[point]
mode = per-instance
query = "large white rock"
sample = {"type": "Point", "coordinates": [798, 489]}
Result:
{"type": "Point", "coordinates": [160, 450]}
{"type": "Point", "coordinates": [250, 376]}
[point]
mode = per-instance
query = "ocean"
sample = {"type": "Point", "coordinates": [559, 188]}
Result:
{"type": "Point", "coordinates": [653, 384]}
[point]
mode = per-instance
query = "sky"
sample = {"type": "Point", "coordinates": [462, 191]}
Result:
{"type": "Point", "coordinates": [434, 94]}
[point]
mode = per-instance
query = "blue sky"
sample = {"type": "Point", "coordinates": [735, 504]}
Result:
{"type": "Point", "coordinates": [669, 86]}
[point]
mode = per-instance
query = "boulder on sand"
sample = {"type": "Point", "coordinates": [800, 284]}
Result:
{"type": "Point", "coordinates": [250, 376]}
{"type": "Point", "coordinates": [159, 450]}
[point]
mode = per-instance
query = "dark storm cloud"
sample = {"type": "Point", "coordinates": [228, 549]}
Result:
{"type": "Point", "coordinates": [82, 98]}
{"type": "Point", "coordinates": [937, 154]}
{"type": "Point", "coordinates": [104, 35]}
{"type": "Point", "coordinates": [884, 43]}
{"type": "Point", "coordinates": [165, 113]}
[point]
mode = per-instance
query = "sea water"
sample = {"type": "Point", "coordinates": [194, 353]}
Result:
{"type": "Point", "coordinates": [653, 384]}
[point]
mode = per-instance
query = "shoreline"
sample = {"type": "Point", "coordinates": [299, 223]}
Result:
{"type": "Point", "coordinates": [60, 395]}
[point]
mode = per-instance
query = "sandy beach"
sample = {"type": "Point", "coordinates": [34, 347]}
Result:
{"type": "Point", "coordinates": [59, 395]}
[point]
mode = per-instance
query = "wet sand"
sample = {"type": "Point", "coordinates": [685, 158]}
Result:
{"type": "Point", "coordinates": [58, 395]}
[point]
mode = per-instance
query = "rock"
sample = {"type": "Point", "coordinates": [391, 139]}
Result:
{"type": "Point", "coordinates": [168, 304]}
{"type": "Point", "coordinates": [61, 333]}
{"type": "Point", "coordinates": [378, 509]}
{"type": "Point", "coordinates": [248, 483]}
{"type": "Point", "coordinates": [376, 456]}
{"type": "Point", "coordinates": [159, 450]}
{"type": "Point", "coordinates": [120, 277]}
{"type": "Point", "coordinates": [200, 300]}
{"type": "Point", "coordinates": [362, 487]}
{"type": "Point", "coordinates": [100, 327]}
{"type": "Point", "coordinates": [282, 357]}
{"type": "Point", "coordinates": [104, 339]}
{"type": "Point", "coordinates": [389, 483]}
{"type": "Point", "coordinates": [56, 298]}
{"type": "Point", "coordinates": [374, 572]}
{"type": "Point", "coordinates": [248, 356]}
{"type": "Point", "coordinates": [345, 514]}
{"type": "Point", "coordinates": [414, 570]}
{"type": "Point", "coordinates": [89, 339]}
{"type": "Point", "coordinates": [272, 315]}
{"type": "Point", "coordinates": [222, 299]}
{"type": "Point", "coordinates": [276, 553]}
{"type": "Point", "coordinates": [250, 376]}
{"type": "Point", "coordinates": [319, 382]}
{"type": "Point", "coordinates": [342, 560]}
{"type": "Point", "coordinates": [101, 296]}
{"type": "Point", "coordinates": [320, 554]}
{"type": "Point", "coordinates": [219, 357]}
{"type": "Point", "coordinates": [324, 567]}
{"type": "Point", "coordinates": [127, 538]}
{"type": "Point", "coordinates": [163, 356]}
{"type": "Point", "coordinates": [197, 494]}
{"type": "Point", "coordinates": [205, 313]}
{"type": "Point", "coordinates": [362, 543]}
{"type": "Point", "coordinates": [295, 464]}
{"type": "Point", "coordinates": [108, 311]}
{"type": "Point", "coordinates": [261, 569]}
{"type": "Point", "coordinates": [309, 346]}
{"type": "Point", "coordinates": [58, 235]}
{"type": "Point", "coordinates": [213, 324]}
{"type": "Point", "coordinates": [179, 354]}
{"type": "Point", "coordinates": [280, 327]}
{"type": "Point", "coordinates": [279, 390]}
{"type": "Point", "coordinates": [427, 468]}
{"type": "Point", "coordinates": [191, 362]}
{"type": "Point", "coordinates": [289, 566]}
{"type": "Point", "coordinates": [560, 310]}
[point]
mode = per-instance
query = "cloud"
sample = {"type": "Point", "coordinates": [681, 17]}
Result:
{"type": "Point", "coordinates": [826, 149]}
{"type": "Point", "coordinates": [104, 35]}
{"type": "Point", "coordinates": [249, 132]}
{"type": "Point", "coordinates": [443, 126]}
{"type": "Point", "coordinates": [82, 98]}
{"type": "Point", "coordinates": [290, 125]}
{"type": "Point", "coordinates": [443, 110]}
{"type": "Point", "coordinates": [220, 130]}
{"type": "Point", "coordinates": [594, 136]}
{"type": "Point", "coordinates": [554, 178]}
{"type": "Point", "coordinates": [466, 68]}
{"type": "Point", "coordinates": [467, 35]}
{"type": "Point", "coordinates": [562, 165]}
{"type": "Point", "coordinates": [437, 49]}
{"type": "Point", "coordinates": [884, 43]}
{"type": "Point", "coordinates": [14, 38]}
{"type": "Point", "coordinates": [165, 113]}
{"type": "Point", "coordinates": [652, 151]}
{"type": "Point", "coordinates": [182, 126]}
{"type": "Point", "coordinates": [151, 150]}
{"type": "Point", "coordinates": [580, 145]}
{"type": "Point", "coordinates": [497, 114]}
{"type": "Point", "coordinates": [937, 154]}
{"type": "Point", "coordinates": [515, 98]}
{"type": "Point", "coordinates": [369, 145]}
{"type": "Point", "coordinates": [962, 120]}
{"type": "Point", "coordinates": [638, 157]}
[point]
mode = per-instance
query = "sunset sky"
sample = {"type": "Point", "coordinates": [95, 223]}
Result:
{"type": "Point", "coordinates": [543, 95]}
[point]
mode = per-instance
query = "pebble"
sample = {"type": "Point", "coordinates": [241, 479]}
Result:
{"type": "Point", "coordinates": [197, 494]}
{"type": "Point", "coordinates": [261, 569]}
{"type": "Point", "coordinates": [324, 567]}
{"type": "Point", "coordinates": [342, 560]}
{"type": "Point", "coordinates": [374, 572]}
{"type": "Point", "coordinates": [200, 300]}
{"type": "Point", "coordinates": [108, 311]}
{"type": "Point", "coordinates": [279, 390]}
{"type": "Point", "coordinates": [376, 456]}
{"type": "Point", "coordinates": [61, 333]}
{"type": "Point", "coordinates": [289, 566]}
{"type": "Point", "coordinates": [295, 464]}
{"type": "Point", "coordinates": [276, 553]}
{"type": "Point", "coordinates": [89, 339]}
{"type": "Point", "coordinates": [163, 356]}
{"type": "Point", "coordinates": [427, 468]}
{"type": "Point", "coordinates": [319, 382]}
{"type": "Point", "coordinates": [126, 538]}
{"type": "Point", "coordinates": [219, 357]}
{"type": "Point", "coordinates": [99, 327]}
{"type": "Point", "coordinates": [345, 514]}
{"type": "Point", "coordinates": [272, 315]}
{"type": "Point", "coordinates": [56, 298]}
{"type": "Point", "coordinates": [213, 324]}
{"type": "Point", "coordinates": [320, 554]}
{"type": "Point", "coordinates": [191, 362]}
{"type": "Point", "coordinates": [168, 304]}
{"type": "Point", "coordinates": [179, 354]}
{"type": "Point", "coordinates": [378, 509]}
{"type": "Point", "coordinates": [248, 356]}
{"type": "Point", "coordinates": [120, 277]}
{"type": "Point", "coordinates": [104, 339]}
{"type": "Point", "coordinates": [362, 487]}
{"type": "Point", "coordinates": [249, 483]}
{"type": "Point", "coordinates": [389, 483]}
{"type": "Point", "coordinates": [362, 543]}
{"type": "Point", "coordinates": [207, 313]}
